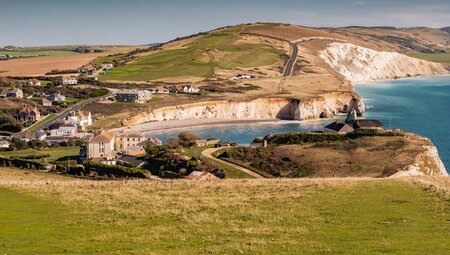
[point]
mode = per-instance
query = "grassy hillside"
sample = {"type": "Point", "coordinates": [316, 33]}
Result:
{"type": "Point", "coordinates": [47, 214]}
{"type": "Point", "coordinates": [443, 57]}
{"type": "Point", "coordinates": [198, 58]}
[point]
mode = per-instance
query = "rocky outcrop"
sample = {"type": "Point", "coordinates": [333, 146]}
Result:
{"type": "Point", "coordinates": [426, 163]}
{"type": "Point", "coordinates": [359, 64]}
{"type": "Point", "coordinates": [262, 108]}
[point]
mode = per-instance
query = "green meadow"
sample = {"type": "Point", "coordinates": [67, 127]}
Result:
{"type": "Point", "coordinates": [435, 57]}
{"type": "Point", "coordinates": [199, 58]}
{"type": "Point", "coordinates": [48, 214]}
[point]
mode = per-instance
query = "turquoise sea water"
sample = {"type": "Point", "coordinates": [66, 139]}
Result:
{"type": "Point", "coordinates": [419, 105]}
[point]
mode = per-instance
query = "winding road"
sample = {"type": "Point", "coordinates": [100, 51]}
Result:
{"type": "Point", "coordinates": [208, 153]}
{"type": "Point", "coordinates": [290, 64]}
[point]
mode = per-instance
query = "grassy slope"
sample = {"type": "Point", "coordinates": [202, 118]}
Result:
{"type": "Point", "coordinates": [435, 57]}
{"type": "Point", "coordinates": [196, 58]}
{"type": "Point", "coordinates": [55, 153]}
{"type": "Point", "coordinates": [233, 217]}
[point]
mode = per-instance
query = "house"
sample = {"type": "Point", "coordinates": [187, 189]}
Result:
{"type": "Point", "coordinates": [4, 144]}
{"type": "Point", "coordinates": [64, 130]}
{"type": "Point", "coordinates": [45, 102]}
{"type": "Point", "coordinates": [134, 161]}
{"type": "Point", "coordinates": [31, 82]}
{"type": "Point", "coordinates": [151, 141]}
{"type": "Point", "coordinates": [69, 80]}
{"type": "Point", "coordinates": [11, 92]}
{"type": "Point", "coordinates": [201, 176]}
{"type": "Point", "coordinates": [368, 125]}
{"type": "Point", "coordinates": [102, 146]}
{"type": "Point", "coordinates": [187, 89]}
{"type": "Point", "coordinates": [52, 140]}
{"type": "Point", "coordinates": [128, 142]}
{"type": "Point", "coordinates": [339, 128]}
{"type": "Point", "coordinates": [135, 96]}
{"type": "Point", "coordinates": [4, 57]}
{"type": "Point", "coordinates": [202, 143]}
{"type": "Point", "coordinates": [40, 135]}
{"type": "Point", "coordinates": [79, 118]}
{"type": "Point", "coordinates": [28, 115]}
{"type": "Point", "coordinates": [56, 97]}
{"type": "Point", "coordinates": [107, 66]}
{"type": "Point", "coordinates": [241, 76]}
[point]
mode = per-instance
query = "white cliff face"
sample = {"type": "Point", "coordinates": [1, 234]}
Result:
{"type": "Point", "coordinates": [427, 163]}
{"type": "Point", "coordinates": [359, 64]}
{"type": "Point", "coordinates": [262, 108]}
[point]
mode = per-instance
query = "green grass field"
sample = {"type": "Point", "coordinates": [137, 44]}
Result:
{"type": "Point", "coordinates": [198, 58]}
{"type": "Point", "coordinates": [107, 59]}
{"type": "Point", "coordinates": [55, 153]}
{"type": "Point", "coordinates": [38, 53]}
{"type": "Point", "coordinates": [435, 57]}
{"type": "Point", "coordinates": [46, 214]}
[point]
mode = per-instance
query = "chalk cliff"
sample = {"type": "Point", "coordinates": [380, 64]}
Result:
{"type": "Point", "coordinates": [359, 64]}
{"type": "Point", "coordinates": [427, 163]}
{"type": "Point", "coordinates": [262, 108]}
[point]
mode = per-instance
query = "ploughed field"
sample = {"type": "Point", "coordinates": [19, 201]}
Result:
{"type": "Point", "coordinates": [48, 214]}
{"type": "Point", "coordinates": [292, 155]}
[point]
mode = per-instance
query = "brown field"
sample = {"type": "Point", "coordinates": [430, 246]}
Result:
{"type": "Point", "coordinates": [41, 65]}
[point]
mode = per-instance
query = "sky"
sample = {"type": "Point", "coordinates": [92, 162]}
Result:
{"type": "Point", "coordinates": [136, 22]}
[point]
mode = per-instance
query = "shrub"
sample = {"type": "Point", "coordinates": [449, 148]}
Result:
{"type": "Point", "coordinates": [116, 170]}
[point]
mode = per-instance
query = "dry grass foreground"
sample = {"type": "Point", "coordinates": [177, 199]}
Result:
{"type": "Point", "coordinates": [309, 216]}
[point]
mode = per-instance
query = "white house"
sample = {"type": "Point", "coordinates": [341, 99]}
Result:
{"type": "Point", "coordinates": [56, 97]}
{"type": "Point", "coordinates": [31, 82]}
{"type": "Point", "coordinates": [69, 80]}
{"type": "Point", "coordinates": [79, 118]}
{"type": "Point", "coordinates": [4, 144]}
{"type": "Point", "coordinates": [189, 89]}
{"type": "Point", "coordinates": [64, 130]}
{"type": "Point", "coordinates": [101, 146]}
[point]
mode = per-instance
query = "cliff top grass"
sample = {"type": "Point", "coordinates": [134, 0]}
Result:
{"type": "Point", "coordinates": [50, 154]}
{"type": "Point", "coordinates": [198, 58]}
{"type": "Point", "coordinates": [330, 155]}
{"type": "Point", "coordinates": [48, 214]}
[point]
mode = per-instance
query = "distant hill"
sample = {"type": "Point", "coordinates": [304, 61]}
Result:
{"type": "Point", "coordinates": [446, 29]}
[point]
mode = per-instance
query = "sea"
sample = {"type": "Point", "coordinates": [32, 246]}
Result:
{"type": "Point", "coordinates": [419, 105]}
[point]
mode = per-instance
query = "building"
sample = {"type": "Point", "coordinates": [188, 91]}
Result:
{"type": "Point", "coordinates": [11, 92]}
{"type": "Point", "coordinates": [188, 89]}
{"type": "Point", "coordinates": [134, 96]}
{"type": "Point", "coordinates": [31, 82]}
{"type": "Point", "coordinates": [4, 57]}
{"type": "Point", "coordinates": [102, 146]}
{"type": "Point", "coordinates": [368, 125]}
{"type": "Point", "coordinates": [52, 140]}
{"type": "Point", "coordinates": [202, 142]}
{"type": "Point", "coordinates": [152, 141]}
{"type": "Point", "coordinates": [28, 115]}
{"type": "Point", "coordinates": [338, 128]}
{"type": "Point", "coordinates": [128, 142]}
{"type": "Point", "coordinates": [64, 130]}
{"type": "Point", "coordinates": [4, 144]}
{"type": "Point", "coordinates": [56, 97]}
{"type": "Point", "coordinates": [201, 176]}
{"type": "Point", "coordinates": [69, 80]}
{"type": "Point", "coordinates": [135, 162]}
{"type": "Point", "coordinates": [79, 118]}
{"type": "Point", "coordinates": [107, 66]}
{"type": "Point", "coordinates": [45, 102]}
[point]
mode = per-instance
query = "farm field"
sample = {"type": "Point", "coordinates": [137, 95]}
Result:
{"type": "Point", "coordinates": [38, 53]}
{"type": "Point", "coordinates": [49, 214]}
{"type": "Point", "coordinates": [39, 65]}
{"type": "Point", "coordinates": [198, 58]}
{"type": "Point", "coordinates": [55, 154]}
{"type": "Point", "coordinates": [435, 57]}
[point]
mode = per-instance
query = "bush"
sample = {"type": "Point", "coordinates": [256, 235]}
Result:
{"type": "Point", "coordinates": [99, 93]}
{"type": "Point", "coordinates": [116, 170]}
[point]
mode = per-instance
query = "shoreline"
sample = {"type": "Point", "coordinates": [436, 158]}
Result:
{"type": "Point", "coordinates": [364, 83]}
